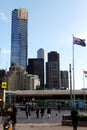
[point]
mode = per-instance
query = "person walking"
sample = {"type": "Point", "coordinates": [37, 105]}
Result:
{"type": "Point", "coordinates": [58, 108]}
{"type": "Point", "coordinates": [42, 112]}
{"type": "Point", "coordinates": [13, 117]}
{"type": "Point", "coordinates": [74, 116]}
{"type": "Point", "coordinates": [37, 111]}
{"type": "Point", "coordinates": [27, 110]}
{"type": "Point", "coordinates": [6, 120]}
{"type": "Point", "coordinates": [49, 112]}
{"type": "Point", "coordinates": [10, 118]}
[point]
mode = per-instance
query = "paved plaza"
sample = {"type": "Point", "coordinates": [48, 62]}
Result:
{"type": "Point", "coordinates": [32, 123]}
{"type": "Point", "coordinates": [44, 126]}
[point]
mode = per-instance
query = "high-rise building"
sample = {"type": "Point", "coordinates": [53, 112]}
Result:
{"type": "Point", "coordinates": [64, 80]}
{"type": "Point", "coordinates": [36, 67]}
{"type": "Point", "coordinates": [40, 53]}
{"type": "Point", "coordinates": [53, 71]}
{"type": "Point", "coordinates": [19, 36]}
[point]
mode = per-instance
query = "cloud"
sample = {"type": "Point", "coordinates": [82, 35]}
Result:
{"type": "Point", "coordinates": [5, 51]}
{"type": "Point", "coordinates": [3, 17]}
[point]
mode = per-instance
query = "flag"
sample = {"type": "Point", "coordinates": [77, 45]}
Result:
{"type": "Point", "coordinates": [79, 41]}
{"type": "Point", "coordinates": [85, 73]}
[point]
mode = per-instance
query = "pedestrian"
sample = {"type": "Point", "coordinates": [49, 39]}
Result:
{"type": "Point", "coordinates": [42, 112]}
{"type": "Point", "coordinates": [5, 120]}
{"type": "Point", "coordinates": [13, 117]}
{"type": "Point", "coordinates": [27, 110]}
{"type": "Point", "coordinates": [37, 111]}
{"type": "Point", "coordinates": [58, 108]}
{"type": "Point", "coordinates": [49, 112]}
{"type": "Point", "coordinates": [7, 124]}
{"type": "Point", "coordinates": [74, 116]}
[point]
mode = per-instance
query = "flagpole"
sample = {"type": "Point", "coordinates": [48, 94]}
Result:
{"type": "Point", "coordinates": [80, 42]}
{"type": "Point", "coordinates": [73, 74]}
{"type": "Point", "coordinates": [84, 85]}
{"type": "Point", "coordinates": [84, 89]}
{"type": "Point", "coordinates": [70, 83]}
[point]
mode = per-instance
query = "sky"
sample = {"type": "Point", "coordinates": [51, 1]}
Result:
{"type": "Point", "coordinates": [51, 26]}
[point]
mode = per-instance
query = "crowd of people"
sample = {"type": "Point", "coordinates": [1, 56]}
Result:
{"type": "Point", "coordinates": [39, 110]}
{"type": "Point", "coordinates": [9, 115]}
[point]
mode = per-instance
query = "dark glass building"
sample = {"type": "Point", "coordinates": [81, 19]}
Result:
{"type": "Point", "coordinates": [64, 80]}
{"type": "Point", "coordinates": [19, 35]}
{"type": "Point", "coordinates": [36, 67]}
{"type": "Point", "coordinates": [53, 71]}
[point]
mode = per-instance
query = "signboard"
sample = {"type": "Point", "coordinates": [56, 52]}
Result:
{"type": "Point", "coordinates": [1, 99]}
{"type": "Point", "coordinates": [4, 84]}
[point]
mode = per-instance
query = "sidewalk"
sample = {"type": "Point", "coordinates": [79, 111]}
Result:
{"type": "Point", "coordinates": [44, 126]}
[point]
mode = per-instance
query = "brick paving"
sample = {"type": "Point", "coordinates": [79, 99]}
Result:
{"type": "Point", "coordinates": [44, 126]}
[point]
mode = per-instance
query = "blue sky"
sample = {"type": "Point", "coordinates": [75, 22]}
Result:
{"type": "Point", "coordinates": [51, 24]}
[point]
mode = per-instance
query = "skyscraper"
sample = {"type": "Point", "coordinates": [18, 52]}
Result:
{"type": "Point", "coordinates": [64, 80]}
{"type": "Point", "coordinates": [36, 67]}
{"type": "Point", "coordinates": [19, 35]}
{"type": "Point", "coordinates": [53, 71]}
{"type": "Point", "coordinates": [40, 53]}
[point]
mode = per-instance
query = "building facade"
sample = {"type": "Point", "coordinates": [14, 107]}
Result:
{"type": "Point", "coordinates": [19, 79]}
{"type": "Point", "coordinates": [36, 67]}
{"type": "Point", "coordinates": [53, 71]}
{"type": "Point", "coordinates": [40, 53]}
{"type": "Point", "coordinates": [2, 76]}
{"type": "Point", "coordinates": [64, 80]}
{"type": "Point", "coordinates": [19, 36]}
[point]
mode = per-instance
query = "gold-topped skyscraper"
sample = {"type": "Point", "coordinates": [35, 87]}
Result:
{"type": "Point", "coordinates": [19, 37]}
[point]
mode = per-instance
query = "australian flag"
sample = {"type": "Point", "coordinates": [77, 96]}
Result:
{"type": "Point", "coordinates": [79, 41]}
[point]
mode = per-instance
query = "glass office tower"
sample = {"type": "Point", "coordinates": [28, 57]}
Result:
{"type": "Point", "coordinates": [53, 70]}
{"type": "Point", "coordinates": [40, 53]}
{"type": "Point", "coordinates": [19, 35]}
